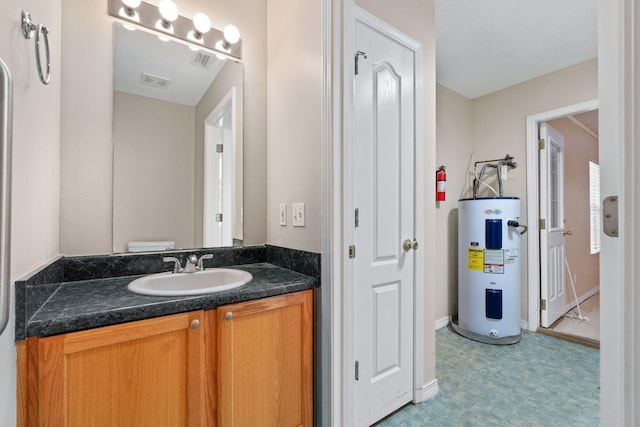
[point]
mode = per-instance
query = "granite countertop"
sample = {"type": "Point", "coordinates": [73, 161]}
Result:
{"type": "Point", "coordinates": [84, 304]}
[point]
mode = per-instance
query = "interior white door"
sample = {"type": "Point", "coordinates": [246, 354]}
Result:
{"type": "Point", "coordinates": [218, 176]}
{"type": "Point", "coordinates": [552, 240]}
{"type": "Point", "coordinates": [384, 157]}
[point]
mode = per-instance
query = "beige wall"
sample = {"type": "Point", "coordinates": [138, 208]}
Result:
{"type": "Point", "coordinates": [416, 18]}
{"type": "Point", "coordinates": [294, 108]}
{"type": "Point", "coordinates": [153, 180]}
{"type": "Point", "coordinates": [454, 147]}
{"type": "Point", "coordinates": [35, 182]}
{"type": "Point", "coordinates": [229, 77]}
{"type": "Point", "coordinates": [86, 151]}
{"type": "Point", "coordinates": [498, 127]}
{"type": "Point", "coordinates": [580, 148]}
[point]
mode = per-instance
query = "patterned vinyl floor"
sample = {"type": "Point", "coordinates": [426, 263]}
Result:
{"type": "Point", "coordinates": [541, 381]}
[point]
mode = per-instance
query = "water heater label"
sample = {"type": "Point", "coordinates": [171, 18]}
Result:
{"type": "Point", "coordinates": [494, 261]}
{"type": "Point", "coordinates": [476, 259]}
{"type": "Point", "coordinates": [510, 256]}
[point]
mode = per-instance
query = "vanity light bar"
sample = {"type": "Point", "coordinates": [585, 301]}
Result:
{"type": "Point", "coordinates": [147, 15]}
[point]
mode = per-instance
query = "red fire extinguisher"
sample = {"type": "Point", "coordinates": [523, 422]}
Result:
{"type": "Point", "coordinates": [441, 184]}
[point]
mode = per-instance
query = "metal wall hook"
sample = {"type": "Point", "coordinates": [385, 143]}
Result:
{"type": "Point", "coordinates": [28, 28]}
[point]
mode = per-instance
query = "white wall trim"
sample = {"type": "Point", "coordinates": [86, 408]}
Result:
{"type": "Point", "coordinates": [442, 322]}
{"type": "Point", "coordinates": [524, 325]}
{"type": "Point", "coordinates": [329, 374]}
{"type": "Point", "coordinates": [616, 86]}
{"type": "Point", "coordinates": [428, 391]}
{"type": "Point", "coordinates": [533, 205]}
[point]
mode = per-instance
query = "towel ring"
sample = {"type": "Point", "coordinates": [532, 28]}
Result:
{"type": "Point", "coordinates": [28, 28]}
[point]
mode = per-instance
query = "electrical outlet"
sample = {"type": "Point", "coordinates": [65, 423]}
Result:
{"type": "Point", "coordinates": [298, 214]}
{"type": "Point", "coordinates": [283, 214]}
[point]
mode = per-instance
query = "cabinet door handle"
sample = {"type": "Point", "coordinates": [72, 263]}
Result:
{"type": "Point", "coordinates": [228, 316]}
{"type": "Point", "coordinates": [195, 324]}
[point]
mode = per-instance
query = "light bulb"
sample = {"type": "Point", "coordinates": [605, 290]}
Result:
{"type": "Point", "coordinates": [168, 10]}
{"type": "Point", "coordinates": [231, 34]}
{"type": "Point", "coordinates": [201, 23]}
{"type": "Point", "coordinates": [164, 26]}
{"type": "Point", "coordinates": [222, 46]}
{"type": "Point", "coordinates": [131, 4]}
{"type": "Point", "coordinates": [128, 10]}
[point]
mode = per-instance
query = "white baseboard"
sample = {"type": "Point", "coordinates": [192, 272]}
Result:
{"type": "Point", "coordinates": [583, 298]}
{"type": "Point", "coordinates": [428, 391]}
{"type": "Point", "coordinates": [524, 325]}
{"type": "Point", "coordinates": [442, 322]}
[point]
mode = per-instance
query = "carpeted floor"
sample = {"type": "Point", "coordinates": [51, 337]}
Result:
{"type": "Point", "coordinates": [541, 381]}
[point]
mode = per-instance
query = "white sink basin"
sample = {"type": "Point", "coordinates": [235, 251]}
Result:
{"type": "Point", "coordinates": [201, 282]}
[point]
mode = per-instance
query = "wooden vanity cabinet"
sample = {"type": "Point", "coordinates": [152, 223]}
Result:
{"type": "Point", "coordinates": [265, 361]}
{"type": "Point", "coordinates": [244, 365]}
{"type": "Point", "coordinates": [144, 373]}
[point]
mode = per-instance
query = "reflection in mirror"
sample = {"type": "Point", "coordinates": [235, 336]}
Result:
{"type": "Point", "coordinates": [177, 126]}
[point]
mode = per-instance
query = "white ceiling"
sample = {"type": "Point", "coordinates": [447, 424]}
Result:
{"type": "Point", "coordinates": [486, 45]}
{"type": "Point", "coordinates": [139, 52]}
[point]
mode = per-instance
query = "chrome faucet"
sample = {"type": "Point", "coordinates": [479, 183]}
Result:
{"type": "Point", "coordinates": [176, 263]}
{"type": "Point", "coordinates": [200, 265]}
{"type": "Point", "coordinates": [193, 263]}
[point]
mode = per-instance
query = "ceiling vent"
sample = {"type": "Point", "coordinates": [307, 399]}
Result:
{"type": "Point", "coordinates": [154, 81]}
{"type": "Point", "coordinates": [202, 60]}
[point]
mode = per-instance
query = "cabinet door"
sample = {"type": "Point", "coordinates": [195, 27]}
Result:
{"type": "Point", "coordinates": [146, 373]}
{"type": "Point", "coordinates": [265, 366]}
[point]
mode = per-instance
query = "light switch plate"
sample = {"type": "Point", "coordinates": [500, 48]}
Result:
{"type": "Point", "coordinates": [283, 214]}
{"type": "Point", "coordinates": [298, 214]}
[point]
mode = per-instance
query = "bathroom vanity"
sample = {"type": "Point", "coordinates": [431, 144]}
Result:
{"type": "Point", "coordinates": [97, 354]}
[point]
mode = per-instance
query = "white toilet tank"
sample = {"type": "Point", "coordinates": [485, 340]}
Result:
{"type": "Point", "coordinates": [148, 246]}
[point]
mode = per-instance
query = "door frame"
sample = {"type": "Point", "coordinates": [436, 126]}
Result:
{"type": "Point", "coordinates": [533, 203]}
{"type": "Point", "coordinates": [346, 232]}
{"type": "Point", "coordinates": [617, 27]}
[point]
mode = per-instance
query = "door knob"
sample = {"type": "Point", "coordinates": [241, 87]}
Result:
{"type": "Point", "coordinates": [408, 244]}
{"type": "Point", "coordinates": [567, 233]}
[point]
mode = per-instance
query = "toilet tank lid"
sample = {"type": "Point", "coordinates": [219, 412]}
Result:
{"type": "Point", "coordinates": [154, 243]}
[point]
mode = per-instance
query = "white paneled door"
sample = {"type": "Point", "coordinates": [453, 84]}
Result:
{"type": "Point", "coordinates": [552, 236]}
{"type": "Point", "coordinates": [385, 248]}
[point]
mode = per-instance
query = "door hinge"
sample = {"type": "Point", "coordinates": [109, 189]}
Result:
{"type": "Point", "coordinates": [352, 251]}
{"type": "Point", "coordinates": [543, 224]}
{"type": "Point", "coordinates": [219, 148]}
{"type": "Point", "coordinates": [357, 218]}
{"type": "Point", "coordinates": [357, 371]}
{"type": "Point", "coordinates": [218, 217]}
{"type": "Point", "coordinates": [543, 304]}
{"type": "Point", "coordinates": [540, 144]}
{"type": "Point", "coordinates": [358, 54]}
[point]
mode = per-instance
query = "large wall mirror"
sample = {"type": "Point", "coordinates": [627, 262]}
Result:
{"type": "Point", "coordinates": [177, 129]}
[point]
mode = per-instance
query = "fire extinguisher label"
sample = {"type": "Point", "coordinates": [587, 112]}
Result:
{"type": "Point", "coordinates": [476, 259]}
{"type": "Point", "coordinates": [441, 186]}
